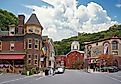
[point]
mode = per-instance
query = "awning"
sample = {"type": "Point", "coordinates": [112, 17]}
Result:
{"type": "Point", "coordinates": [11, 56]}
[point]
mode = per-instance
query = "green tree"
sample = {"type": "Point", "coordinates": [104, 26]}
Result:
{"type": "Point", "coordinates": [6, 19]}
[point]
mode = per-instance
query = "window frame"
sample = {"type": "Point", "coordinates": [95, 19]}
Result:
{"type": "Point", "coordinates": [0, 45]}
{"type": "Point", "coordinates": [36, 44]}
{"type": "Point", "coordinates": [35, 59]}
{"type": "Point", "coordinates": [114, 45]}
{"type": "Point", "coordinates": [29, 43]}
{"type": "Point", "coordinates": [11, 45]}
{"type": "Point", "coordinates": [29, 59]}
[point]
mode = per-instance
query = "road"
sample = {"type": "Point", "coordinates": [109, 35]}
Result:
{"type": "Point", "coordinates": [69, 77]}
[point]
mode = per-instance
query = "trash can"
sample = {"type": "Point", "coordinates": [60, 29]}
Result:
{"type": "Point", "coordinates": [46, 72]}
{"type": "Point", "coordinates": [27, 73]}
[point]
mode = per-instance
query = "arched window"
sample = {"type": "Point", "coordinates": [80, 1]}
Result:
{"type": "Point", "coordinates": [105, 49]}
{"type": "Point", "coordinates": [114, 45]}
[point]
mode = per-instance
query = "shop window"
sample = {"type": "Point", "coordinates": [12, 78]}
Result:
{"type": "Point", "coordinates": [114, 45]}
{"type": "Point", "coordinates": [12, 46]}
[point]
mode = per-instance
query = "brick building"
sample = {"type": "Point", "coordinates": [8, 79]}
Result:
{"type": "Point", "coordinates": [75, 58]}
{"type": "Point", "coordinates": [60, 60]}
{"type": "Point", "coordinates": [22, 47]}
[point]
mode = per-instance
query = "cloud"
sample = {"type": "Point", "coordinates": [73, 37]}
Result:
{"type": "Point", "coordinates": [118, 5]}
{"type": "Point", "coordinates": [64, 18]}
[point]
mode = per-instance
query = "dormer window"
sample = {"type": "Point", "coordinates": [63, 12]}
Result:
{"type": "Point", "coordinates": [37, 31]}
{"type": "Point", "coordinates": [30, 30]}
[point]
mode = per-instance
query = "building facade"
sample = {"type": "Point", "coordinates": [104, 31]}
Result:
{"type": "Point", "coordinates": [75, 58]}
{"type": "Point", "coordinates": [22, 47]}
{"type": "Point", "coordinates": [109, 46]}
{"type": "Point", "coordinates": [60, 61]}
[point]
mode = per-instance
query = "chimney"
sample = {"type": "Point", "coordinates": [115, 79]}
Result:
{"type": "Point", "coordinates": [21, 24]}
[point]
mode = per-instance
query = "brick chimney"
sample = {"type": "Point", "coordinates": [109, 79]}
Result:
{"type": "Point", "coordinates": [21, 24]}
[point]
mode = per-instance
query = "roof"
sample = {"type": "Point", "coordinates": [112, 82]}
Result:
{"type": "Point", "coordinates": [33, 20]}
{"type": "Point", "coordinates": [91, 42]}
{"type": "Point", "coordinates": [82, 52]}
{"type": "Point", "coordinates": [12, 57]}
{"type": "Point", "coordinates": [44, 37]}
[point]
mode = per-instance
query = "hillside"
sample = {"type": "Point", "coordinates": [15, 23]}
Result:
{"type": "Point", "coordinates": [6, 19]}
{"type": "Point", "coordinates": [63, 47]}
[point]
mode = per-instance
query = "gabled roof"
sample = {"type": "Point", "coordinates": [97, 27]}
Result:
{"type": "Point", "coordinates": [82, 52]}
{"type": "Point", "coordinates": [33, 20]}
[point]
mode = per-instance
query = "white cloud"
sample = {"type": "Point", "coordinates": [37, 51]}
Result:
{"type": "Point", "coordinates": [64, 19]}
{"type": "Point", "coordinates": [118, 5]}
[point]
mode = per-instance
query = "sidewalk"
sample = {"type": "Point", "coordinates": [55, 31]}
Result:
{"type": "Point", "coordinates": [42, 74]}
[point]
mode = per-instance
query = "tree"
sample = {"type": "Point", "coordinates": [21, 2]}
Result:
{"type": "Point", "coordinates": [6, 19]}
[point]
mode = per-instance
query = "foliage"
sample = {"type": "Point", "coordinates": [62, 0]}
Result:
{"type": "Point", "coordinates": [64, 46]}
{"type": "Point", "coordinates": [6, 19]}
{"type": "Point", "coordinates": [77, 64]}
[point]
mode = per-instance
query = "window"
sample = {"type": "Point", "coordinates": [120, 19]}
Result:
{"type": "Point", "coordinates": [29, 43]}
{"type": "Point", "coordinates": [115, 52]}
{"type": "Point", "coordinates": [0, 45]}
{"type": "Point", "coordinates": [29, 57]}
{"type": "Point", "coordinates": [36, 44]}
{"type": "Point", "coordinates": [12, 46]}
{"type": "Point", "coordinates": [35, 59]}
{"type": "Point", "coordinates": [37, 31]}
{"type": "Point", "coordinates": [30, 30]}
{"type": "Point", "coordinates": [24, 44]}
{"type": "Point", "coordinates": [106, 48]}
{"type": "Point", "coordinates": [114, 45]}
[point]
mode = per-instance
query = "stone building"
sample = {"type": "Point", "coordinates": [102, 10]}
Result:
{"type": "Point", "coordinates": [109, 46]}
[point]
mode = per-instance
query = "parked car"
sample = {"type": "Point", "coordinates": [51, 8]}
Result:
{"type": "Point", "coordinates": [109, 69]}
{"type": "Point", "coordinates": [59, 70]}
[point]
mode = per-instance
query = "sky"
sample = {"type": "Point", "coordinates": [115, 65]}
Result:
{"type": "Point", "coordinates": [62, 19]}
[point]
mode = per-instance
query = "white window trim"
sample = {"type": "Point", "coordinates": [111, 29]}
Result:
{"type": "Point", "coordinates": [13, 45]}
{"type": "Point", "coordinates": [29, 43]}
{"type": "Point", "coordinates": [36, 44]}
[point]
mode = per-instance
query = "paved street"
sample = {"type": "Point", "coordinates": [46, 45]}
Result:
{"type": "Point", "coordinates": [69, 77]}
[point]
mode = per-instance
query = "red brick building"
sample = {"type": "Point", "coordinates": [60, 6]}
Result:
{"type": "Point", "coordinates": [22, 46]}
{"type": "Point", "coordinates": [60, 60]}
{"type": "Point", "coordinates": [74, 59]}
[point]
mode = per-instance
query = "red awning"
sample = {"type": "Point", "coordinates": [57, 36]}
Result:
{"type": "Point", "coordinates": [11, 56]}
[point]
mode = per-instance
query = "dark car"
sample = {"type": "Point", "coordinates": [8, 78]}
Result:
{"type": "Point", "coordinates": [109, 69]}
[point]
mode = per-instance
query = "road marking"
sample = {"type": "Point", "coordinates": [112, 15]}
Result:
{"type": "Point", "coordinates": [16, 79]}
{"type": "Point", "coordinates": [113, 78]}
{"type": "Point", "coordinates": [40, 78]}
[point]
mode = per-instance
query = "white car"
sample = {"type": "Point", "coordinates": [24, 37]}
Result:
{"type": "Point", "coordinates": [59, 70]}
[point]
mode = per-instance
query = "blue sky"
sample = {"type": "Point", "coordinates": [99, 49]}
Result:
{"type": "Point", "coordinates": [17, 6]}
{"type": "Point", "coordinates": [64, 18]}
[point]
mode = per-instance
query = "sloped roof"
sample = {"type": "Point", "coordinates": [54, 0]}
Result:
{"type": "Point", "coordinates": [33, 20]}
{"type": "Point", "coordinates": [82, 52]}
